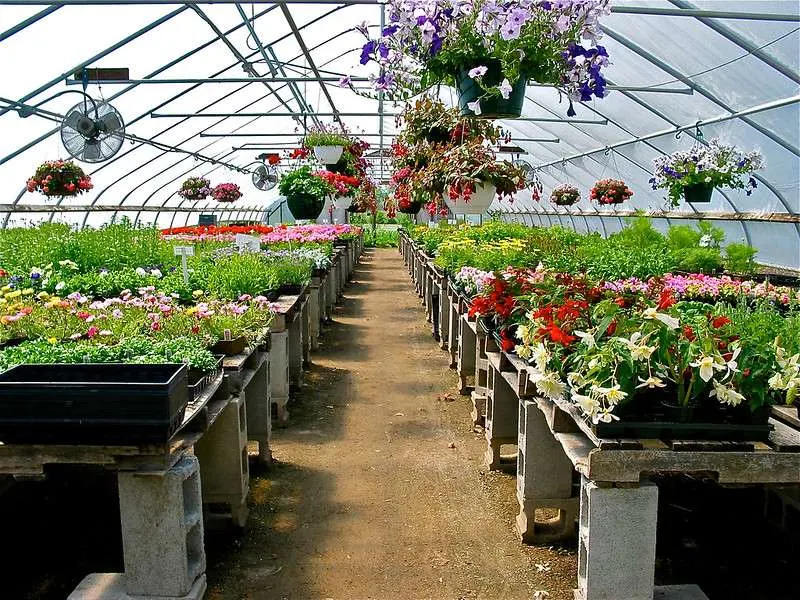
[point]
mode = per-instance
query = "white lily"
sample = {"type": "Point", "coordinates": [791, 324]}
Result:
{"type": "Point", "coordinates": [651, 382]}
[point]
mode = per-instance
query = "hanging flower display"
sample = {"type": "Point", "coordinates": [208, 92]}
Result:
{"type": "Point", "coordinates": [489, 50]}
{"type": "Point", "coordinates": [195, 188]}
{"type": "Point", "coordinates": [305, 192]}
{"type": "Point", "coordinates": [565, 195]}
{"type": "Point", "coordinates": [226, 192]}
{"type": "Point", "coordinates": [327, 144]}
{"type": "Point", "coordinates": [59, 179]}
{"type": "Point", "coordinates": [610, 191]}
{"type": "Point", "coordinates": [693, 174]}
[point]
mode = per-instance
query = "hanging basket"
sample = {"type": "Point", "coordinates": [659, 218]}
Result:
{"type": "Point", "coordinates": [698, 193]}
{"type": "Point", "coordinates": [495, 106]}
{"type": "Point", "coordinates": [412, 208]}
{"type": "Point", "coordinates": [355, 207]}
{"type": "Point", "coordinates": [343, 202]}
{"type": "Point", "coordinates": [328, 155]}
{"type": "Point", "coordinates": [303, 206]}
{"type": "Point", "coordinates": [478, 203]}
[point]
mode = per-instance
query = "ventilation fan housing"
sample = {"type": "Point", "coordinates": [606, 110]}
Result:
{"type": "Point", "coordinates": [92, 133]}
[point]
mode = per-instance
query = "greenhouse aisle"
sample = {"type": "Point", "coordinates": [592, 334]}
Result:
{"type": "Point", "coordinates": [379, 490]}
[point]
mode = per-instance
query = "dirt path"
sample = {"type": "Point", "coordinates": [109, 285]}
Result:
{"type": "Point", "coordinates": [380, 490]}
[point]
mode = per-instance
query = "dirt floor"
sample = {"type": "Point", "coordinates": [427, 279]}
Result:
{"type": "Point", "coordinates": [379, 489]}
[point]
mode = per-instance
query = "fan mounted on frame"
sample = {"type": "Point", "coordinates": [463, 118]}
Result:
{"type": "Point", "coordinates": [92, 131]}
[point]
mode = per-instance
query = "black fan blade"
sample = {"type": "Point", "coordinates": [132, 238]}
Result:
{"type": "Point", "coordinates": [72, 119]}
{"type": "Point", "coordinates": [111, 122]}
{"type": "Point", "coordinates": [92, 150]}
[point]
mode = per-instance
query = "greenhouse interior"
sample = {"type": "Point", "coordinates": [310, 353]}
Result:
{"type": "Point", "coordinates": [380, 299]}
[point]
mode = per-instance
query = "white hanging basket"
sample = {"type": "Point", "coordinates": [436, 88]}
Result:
{"type": "Point", "coordinates": [343, 202]}
{"type": "Point", "coordinates": [478, 203]}
{"type": "Point", "coordinates": [328, 155]}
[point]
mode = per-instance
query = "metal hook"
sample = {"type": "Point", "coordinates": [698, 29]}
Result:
{"type": "Point", "coordinates": [607, 151]}
{"type": "Point", "coordinates": [678, 134]}
{"type": "Point", "coordinates": [697, 133]}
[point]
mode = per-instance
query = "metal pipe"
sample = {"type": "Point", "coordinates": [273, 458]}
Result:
{"type": "Point", "coordinates": [46, 208]}
{"type": "Point", "coordinates": [100, 55]}
{"type": "Point", "coordinates": [29, 21]}
{"type": "Point", "coordinates": [182, 80]}
{"type": "Point", "coordinates": [538, 140]}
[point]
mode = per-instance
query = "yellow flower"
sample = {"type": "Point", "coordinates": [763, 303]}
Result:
{"type": "Point", "coordinates": [52, 340]}
{"type": "Point", "coordinates": [14, 294]}
{"type": "Point", "coordinates": [42, 295]}
{"type": "Point", "coordinates": [6, 288]}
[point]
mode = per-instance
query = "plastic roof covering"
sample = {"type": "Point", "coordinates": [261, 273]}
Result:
{"type": "Point", "coordinates": [730, 65]}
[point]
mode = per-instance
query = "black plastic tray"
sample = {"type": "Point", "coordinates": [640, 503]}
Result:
{"type": "Point", "coordinates": [92, 403]}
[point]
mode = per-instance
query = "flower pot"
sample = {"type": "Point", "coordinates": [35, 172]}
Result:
{"type": "Point", "coordinates": [230, 347]}
{"type": "Point", "coordinates": [564, 202]}
{"type": "Point", "coordinates": [495, 106]}
{"type": "Point", "coordinates": [328, 155]}
{"type": "Point", "coordinates": [437, 135]}
{"type": "Point", "coordinates": [698, 193]}
{"type": "Point", "coordinates": [343, 202]}
{"type": "Point", "coordinates": [304, 206]}
{"type": "Point", "coordinates": [412, 208]}
{"type": "Point", "coordinates": [478, 203]}
{"type": "Point", "coordinates": [356, 208]}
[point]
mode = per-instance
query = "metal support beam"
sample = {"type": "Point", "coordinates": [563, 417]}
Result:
{"type": "Point", "coordinates": [655, 89]}
{"type": "Point", "coordinates": [96, 57]}
{"type": "Point", "coordinates": [742, 42]}
{"type": "Point", "coordinates": [540, 140]}
{"type": "Point", "coordinates": [29, 21]}
{"type": "Point", "coordinates": [301, 42]}
{"type": "Point", "coordinates": [181, 80]}
{"type": "Point", "coordinates": [46, 208]}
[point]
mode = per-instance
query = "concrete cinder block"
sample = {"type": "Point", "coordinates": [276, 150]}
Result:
{"type": "Point", "coordinates": [296, 351]}
{"type": "Point", "coordinates": [162, 530]}
{"type": "Point", "coordinates": [279, 373]}
{"type": "Point", "coordinates": [617, 542]}
{"type": "Point", "coordinates": [259, 411]}
{"type": "Point", "coordinates": [314, 317]}
{"type": "Point", "coordinates": [501, 417]}
{"type": "Point", "coordinates": [467, 349]}
{"type": "Point", "coordinates": [110, 586]}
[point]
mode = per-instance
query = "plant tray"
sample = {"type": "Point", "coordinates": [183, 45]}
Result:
{"type": "Point", "coordinates": [199, 380]}
{"type": "Point", "coordinates": [230, 347]}
{"type": "Point", "coordinates": [92, 403]}
{"type": "Point", "coordinates": [666, 430]}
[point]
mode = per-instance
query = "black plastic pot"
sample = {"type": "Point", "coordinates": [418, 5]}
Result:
{"type": "Point", "coordinates": [495, 106]}
{"type": "Point", "coordinates": [92, 403]}
{"type": "Point", "coordinates": [230, 347]}
{"type": "Point", "coordinates": [304, 206]}
{"type": "Point", "coordinates": [698, 193]}
{"type": "Point", "coordinates": [290, 289]}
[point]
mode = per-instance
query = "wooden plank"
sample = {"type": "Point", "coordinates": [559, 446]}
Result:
{"type": "Point", "coordinates": [783, 438]}
{"type": "Point", "coordinates": [787, 414]}
{"type": "Point", "coordinates": [731, 467]}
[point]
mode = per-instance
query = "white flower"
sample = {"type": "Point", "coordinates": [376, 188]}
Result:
{"type": "Point", "coordinates": [669, 321]}
{"type": "Point", "coordinates": [587, 338]}
{"type": "Point", "coordinates": [587, 404]}
{"type": "Point", "coordinates": [705, 241]}
{"type": "Point", "coordinates": [605, 416]}
{"type": "Point", "coordinates": [732, 364]}
{"type": "Point", "coordinates": [726, 394]}
{"type": "Point", "coordinates": [478, 72]}
{"type": "Point", "coordinates": [776, 382]}
{"type": "Point", "coordinates": [60, 286]}
{"type": "Point", "coordinates": [156, 273]}
{"type": "Point", "coordinates": [549, 385]}
{"type": "Point", "coordinates": [575, 379]}
{"type": "Point", "coordinates": [523, 351]}
{"type": "Point", "coordinates": [612, 394]}
{"type": "Point", "coordinates": [505, 89]}
{"type": "Point", "coordinates": [651, 382]}
{"type": "Point", "coordinates": [141, 272]}
{"type": "Point", "coordinates": [707, 365]}
{"type": "Point", "coordinates": [475, 106]}
{"type": "Point", "coordinates": [541, 356]}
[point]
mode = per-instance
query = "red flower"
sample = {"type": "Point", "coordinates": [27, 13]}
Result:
{"type": "Point", "coordinates": [620, 301]}
{"type": "Point", "coordinates": [688, 333]}
{"type": "Point", "coordinates": [666, 300]}
{"type": "Point", "coordinates": [273, 158]}
{"type": "Point", "coordinates": [507, 343]}
{"type": "Point", "coordinates": [720, 321]}
{"type": "Point", "coordinates": [612, 328]}
{"type": "Point", "coordinates": [83, 315]}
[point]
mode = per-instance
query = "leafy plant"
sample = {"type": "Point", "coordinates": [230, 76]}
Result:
{"type": "Point", "coordinates": [325, 137]}
{"type": "Point", "coordinates": [740, 258]}
{"type": "Point", "coordinates": [304, 182]}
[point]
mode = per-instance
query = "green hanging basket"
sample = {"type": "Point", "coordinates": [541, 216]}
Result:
{"type": "Point", "coordinates": [698, 193]}
{"type": "Point", "coordinates": [495, 106]}
{"type": "Point", "coordinates": [304, 206]}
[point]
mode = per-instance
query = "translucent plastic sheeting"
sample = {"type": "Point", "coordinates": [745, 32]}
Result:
{"type": "Point", "coordinates": [729, 64]}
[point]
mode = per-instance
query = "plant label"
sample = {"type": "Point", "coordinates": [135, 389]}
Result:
{"type": "Point", "coordinates": [247, 243]}
{"type": "Point", "coordinates": [183, 252]}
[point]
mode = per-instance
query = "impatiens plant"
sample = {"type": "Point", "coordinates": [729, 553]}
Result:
{"type": "Point", "coordinates": [344, 185]}
{"type": "Point", "coordinates": [59, 179]}
{"type": "Point", "coordinates": [610, 191]}
{"type": "Point", "coordinates": [195, 188]}
{"type": "Point", "coordinates": [226, 192]}
{"type": "Point", "coordinates": [714, 165]}
{"type": "Point", "coordinates": [492, 46]}
{"type": "Point", "coordinates": [565, 195]}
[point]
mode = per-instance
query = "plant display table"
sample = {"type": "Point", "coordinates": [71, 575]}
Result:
{"type": "Point", "coordinates": [562, 466]}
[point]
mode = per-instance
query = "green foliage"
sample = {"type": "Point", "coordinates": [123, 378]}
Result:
{"type": "Point", "coordinates": [325, 138]}
{"type": "Point", "coordinates": [130, 350]}
{"type": "Point", "coordinates": [383, 237]}
{"type": "Point", "coordinates": [740, 258]}
{"type": "Point", "coordinates": [638, 232]}
{"type": "Point", "coordinates": [303, 182]}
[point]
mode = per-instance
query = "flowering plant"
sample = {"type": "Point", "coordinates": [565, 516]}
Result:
{"type": "Point", "coordinates": [565, 195]}
{"type": "Point", "coordinates": [226, 192]}
{"type": "Point", "coordinates": [305, 182]}
{"type": "Point", "coordinates": [714, 165]}
{"type": "Point", "coordinates": [610, 191]}
{"type": "Point", "coordinates": [343, 185]}
{"type": "Point", "coordinates": [195, 188]}
{"type": "Point", "coordinates": [59, 178]}
{"type": "Point", "coordinates": [428, 42]}
{"type": "Point", "coordinates": [428, 119]}
{"type": "Point", "coordinates": [324, 136]}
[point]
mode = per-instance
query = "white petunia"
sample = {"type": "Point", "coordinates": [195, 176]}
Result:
{"type": "Point", "coordinates": [505, 89]}
{"type": "Point", "coordinates": [475, 107]}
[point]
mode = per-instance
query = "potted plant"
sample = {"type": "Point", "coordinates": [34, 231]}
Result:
{"type": "Point", "coordinates": [345, 187]}
{"type": "Point", "coordinates": [489, 51]}
{"type": "Point", "coordinates": [195, 188]}
{"type": "Point", "coordinates": [226, 192]}
{"type": "Point", "coordinates": [305, 192]}
{"type": "Point", "coordinates": [565, 195]}
{"type": "Point", "coordinates": [59, 179]}
{"type": "Point", "coordinates": [693, 174]}
{"type": "Point", "coordinates": [327, 145]}
{"type": "Point", "coordinates": [610, 191]}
